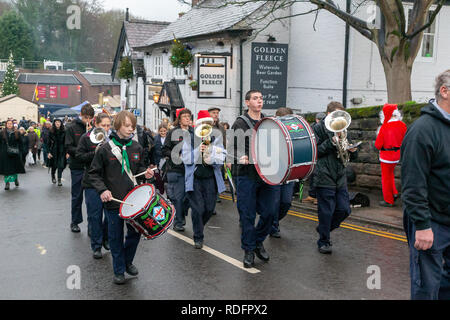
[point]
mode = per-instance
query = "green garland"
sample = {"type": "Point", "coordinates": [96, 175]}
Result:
{"type": "Point", "coordinates": [126, 69]}
{"type": "Point", "coordinates": [181, 56]}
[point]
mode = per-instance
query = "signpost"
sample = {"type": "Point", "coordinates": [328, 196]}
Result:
{"type": "Point", "coordinates": [212, 77]}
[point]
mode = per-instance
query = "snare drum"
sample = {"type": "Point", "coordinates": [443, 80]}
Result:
{"type": "Point", "coordinates": [283, 149]}
{"type": "Point", "coordinates": [151, 214]}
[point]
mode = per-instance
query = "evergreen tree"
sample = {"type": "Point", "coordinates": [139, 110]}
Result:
{"type": "Point", "coordinates": [15, 37]}
{"type": "Point", "coordinates": [10, 82]}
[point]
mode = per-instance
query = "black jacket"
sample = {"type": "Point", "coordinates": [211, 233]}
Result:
{"type": "Point", "coordinates": [329, 171]}
{"type": "Point", "coordinates": [57, 148]}
{"type": "Point", "coordinates": [143, 141]}
{"type": "Point", "coordinates": [45, 134]}
{"type": "Point", "coordinates": [10, 164]}
{"type": "Point", "coordinates": [157, 150]}
{"type": "Point", "coordinates": [85, 153]}
{"type": "Point", "coordinates": [425, 159]}
{"type": "Point", "coordinates": [240, 169]}
{"type": "Point", "coordinates": [74, 131]}
{"type": "Point", "coordinates": [168, 147]}
{"type": "Point", "coordinates": [105, 172]}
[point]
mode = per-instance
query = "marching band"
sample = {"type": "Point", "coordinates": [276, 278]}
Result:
{"type": "Point", "coordinates": [113, 165]}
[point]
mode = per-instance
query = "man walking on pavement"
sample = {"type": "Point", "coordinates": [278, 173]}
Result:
{"type": "Point", "coordinates": [425, 158]}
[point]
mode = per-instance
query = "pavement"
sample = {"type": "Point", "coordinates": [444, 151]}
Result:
{"type": "Point", "coordinates": [391, 218]}
{"type": "Point", "coordinates": [42, 259]}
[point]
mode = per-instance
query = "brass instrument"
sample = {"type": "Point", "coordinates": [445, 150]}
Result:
{"type": "Point", "coordinates": [338, 121]}
{"type": "Point", "coordinates": [98, 136]}
{"type": "Point", "coordinates": [204, 131]}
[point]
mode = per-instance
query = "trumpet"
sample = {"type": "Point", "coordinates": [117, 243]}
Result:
{"type": "Point", "coordinates": [338, 121]}
{"type": "Point", "coordinates": [98, 136]}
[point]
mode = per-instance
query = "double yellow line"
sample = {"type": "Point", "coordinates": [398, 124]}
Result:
{"type": "Point", "coordinates": [371, 231]}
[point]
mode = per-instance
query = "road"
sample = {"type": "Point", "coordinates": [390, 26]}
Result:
{"type": "Point", "coordinates": [41, 257]}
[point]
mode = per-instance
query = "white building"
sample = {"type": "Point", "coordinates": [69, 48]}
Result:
{"type": "Point", "coordinates": [316, 70]}
{"type": "Point", "coordinates": [233, 38]}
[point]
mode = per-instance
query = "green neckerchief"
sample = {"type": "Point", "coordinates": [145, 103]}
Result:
{"type": "Point", "coordinates": [125, 160]}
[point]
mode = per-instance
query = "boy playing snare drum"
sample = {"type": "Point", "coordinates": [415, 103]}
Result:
{"type": "Point", "coordinates": [111, 174]}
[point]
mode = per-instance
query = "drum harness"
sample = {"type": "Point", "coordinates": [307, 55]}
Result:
{"type": "Point", "coordinates": [116, 152]}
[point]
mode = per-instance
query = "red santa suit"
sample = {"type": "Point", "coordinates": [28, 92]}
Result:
{"type": "Point", "coordinates": [389, 141]}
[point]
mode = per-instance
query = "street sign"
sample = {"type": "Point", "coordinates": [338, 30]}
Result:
{"type": "Point", "coordinates": [137, 112]}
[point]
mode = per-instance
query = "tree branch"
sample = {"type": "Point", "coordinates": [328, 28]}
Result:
{"type": "Point", "coordinates": [427, 25]}
{"type": "Point", "coordinates": [358, 24]}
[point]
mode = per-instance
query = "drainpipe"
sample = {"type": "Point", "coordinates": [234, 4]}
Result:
{"type": "Point", "coordinates": [145, 101]}
{"type": "Point", "coordinates": [347, 42]}
{"type": "Point", "coordinates": [241, 66]}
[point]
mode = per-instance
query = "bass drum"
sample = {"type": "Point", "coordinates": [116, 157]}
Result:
{"type": "Point", "coordinates": [283, 149]}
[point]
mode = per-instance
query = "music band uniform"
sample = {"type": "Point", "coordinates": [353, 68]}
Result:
{"type": "Point", "coordinates": [106, 173]}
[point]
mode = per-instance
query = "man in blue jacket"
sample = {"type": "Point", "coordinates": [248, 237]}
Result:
{"type": "Point", "coordinates": [425, 158]}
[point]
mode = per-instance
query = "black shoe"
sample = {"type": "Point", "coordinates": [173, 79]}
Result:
{"type": "Point", "coordinates": [106, 245]}
{"type": "Point", "coordinates": [214, 213]}
{"type": "Point", "coordinates": [198, 244]}
{"type": "Point", "coordinates": [261, 252]}
{"type": "Point", "coordinates": [53, 180]}
{"type": "Point", "coordinates": [59, 183]}
{"type": "Point", "coordinates": [75, 228]}
{"type": "Point", "coordinates": [132, 270]}
{"type": "Point", "coordinates": [249, 259]}
{"type": "Point", "coordinates": [385, 204]}
{"type": "Point", "coordinates": [98, 254]}
{"type": "Point", "coordinates": [16, 182]}
{"type": "Point", "coordinates": [119, 279]}
{"type": "Point", "coordinates": [178, 228]}
{"type": "Point", "coordinates": [325, 249]}
{"type": "Point", "coordinates": [276, 234]}
{"type": "Point", "coordinates": [7, 186]}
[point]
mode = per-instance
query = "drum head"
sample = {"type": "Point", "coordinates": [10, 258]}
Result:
{"type": "Point", "coordinates": [271, 151]}
{"type": "Point", "coordinates": [140, 197]}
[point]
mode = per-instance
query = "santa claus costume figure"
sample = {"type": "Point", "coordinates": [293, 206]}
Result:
{"type": "Point", "coordinates": [389, 141]}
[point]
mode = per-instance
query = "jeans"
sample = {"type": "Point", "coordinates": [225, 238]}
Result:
{"type": "Point", "coordinates": [45, 153]}
{"type": "Point", "coordinates": [255, 196]}
{"type": "Point", "coordinates": [203, 202]}
{"type": "Point", "coordinates": [285, 200]}
{"type": "Point", "coordinates": [77, 195]}
{"type": "Point", "coordinates": [429, 269]}
{"type": "Point", "coordinates": [176, 194]}
{"type": "Point", "coordinates": [122, 253]}
{"type": "Point", "coordinates": [333, 208]}
{"type": "Point", "coordinates": [98, 227]}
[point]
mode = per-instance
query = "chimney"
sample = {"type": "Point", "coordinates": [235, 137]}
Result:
{"type": "Point", "coordinates": [127, 16]}
{"type": "Point", "coordinates": [195, 2]}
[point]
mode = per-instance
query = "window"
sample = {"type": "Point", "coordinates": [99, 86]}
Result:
{"type": "Point", "coordinates": [427, 50]}
{"type": "Point", "coordinates": [177, 72]}
{"type": "Point", "coordinates": [158, 66]}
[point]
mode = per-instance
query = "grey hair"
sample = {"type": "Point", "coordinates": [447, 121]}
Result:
{"type": "Point", "coordinates": [441, 80]}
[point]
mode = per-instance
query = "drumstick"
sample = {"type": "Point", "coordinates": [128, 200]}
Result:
{"type": "Point", "coordinates": [123, 202]}
{"type": "Point", "coordinates": [142, 173]}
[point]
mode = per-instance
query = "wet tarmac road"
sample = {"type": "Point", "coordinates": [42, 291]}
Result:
{"type": "Point", "coordinates": [39, 253]}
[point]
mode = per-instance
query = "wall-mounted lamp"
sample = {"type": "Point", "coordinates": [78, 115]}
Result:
{"type": "Point", "coordinates": [220, 43]}
{"type": "Point", "coordinates": [271, 38]}
{"type": "Point", "coordinates": [156, 97]}
{"type": "Point", "coordinates": [165, 51]}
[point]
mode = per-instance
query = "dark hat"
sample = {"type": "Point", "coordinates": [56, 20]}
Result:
{"type": "Point", "coordinates": [213, 108]}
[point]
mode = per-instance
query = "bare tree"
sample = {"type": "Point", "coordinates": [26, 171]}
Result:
{"type": "Point", "coordinates": [397, 38]}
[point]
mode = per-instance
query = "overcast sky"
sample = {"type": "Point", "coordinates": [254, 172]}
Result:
{"type": "Point", "coordinates": [162, 10]}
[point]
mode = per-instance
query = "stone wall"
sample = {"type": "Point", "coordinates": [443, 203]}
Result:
{"type": "Point", "coordinates": [365, 122]}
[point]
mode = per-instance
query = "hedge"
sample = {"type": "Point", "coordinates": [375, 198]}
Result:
{"type": "Point", "coordinates": [410, 111]}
